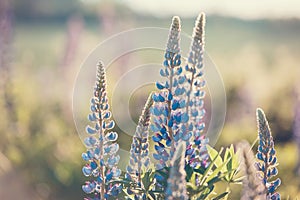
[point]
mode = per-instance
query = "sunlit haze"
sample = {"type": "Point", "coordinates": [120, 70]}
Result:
{"type": "Point", "coordinates": [234, 8]}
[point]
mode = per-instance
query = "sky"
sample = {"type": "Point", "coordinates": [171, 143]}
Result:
{"type": "Point", "coordinates": [251, 9]}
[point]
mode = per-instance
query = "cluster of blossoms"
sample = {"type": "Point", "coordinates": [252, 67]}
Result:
{"type": "Point", "coordinates": [178, 106]}
{"type": "Point", "coordinates": [266, 156]}
{"type": "Point", "coordinates": [175, 116]}
{"type": "Point", "coordinates": [139, 153]}
{"type": "Point", "coordinates": [101, 156]}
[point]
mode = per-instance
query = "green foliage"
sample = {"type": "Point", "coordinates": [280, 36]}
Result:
{"type": "Point", "coordinates": [220, 169]}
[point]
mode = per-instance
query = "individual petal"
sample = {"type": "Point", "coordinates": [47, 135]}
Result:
{"type": "Point", "coordinates": [90, 130]}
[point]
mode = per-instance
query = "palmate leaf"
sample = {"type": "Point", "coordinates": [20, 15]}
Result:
{"type": "Point", "coordinates": [219, 169]}
{"type": "Point", "coordinates": [148, 179]}
{"type": "Point", "coordinates": [232, 166]}
{"type": "Point", "coordinates": [215, 155]}
{"type": "Point", "coordinates": [204, 188]}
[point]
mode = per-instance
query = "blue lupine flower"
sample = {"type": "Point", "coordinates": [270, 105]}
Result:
{"type": "Point", "coordinates": [139, 158]}
{"type": "Point", "coordinates": [176, 189]}
{"type": "Point", "coordinates": [101, 156]}
{"type": "Point", "coordinates": [178, 106]}
{"type": "Point", "coordinates": [194, 106]}
{"type": "Point", "coordinates": [166, 111]}
{"type": "Point", "coordinates": [266, 156]}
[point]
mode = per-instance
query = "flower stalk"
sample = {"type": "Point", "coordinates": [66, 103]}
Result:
{"type": "Point", "coordinates": [253, 188]}
{"type": "Point", "coordinates": [101, 156]}
{"type": "Point", "coordinates": [266, 156]}
{"type": "Point", "coordinates": [139, 153]}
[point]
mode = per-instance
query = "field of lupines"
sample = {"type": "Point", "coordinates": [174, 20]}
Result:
{"type": "Point", "coordinates": [258, 61]}
{"type": "Point", "coordinates": [185, 166]}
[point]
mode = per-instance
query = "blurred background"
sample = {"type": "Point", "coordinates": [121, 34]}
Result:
{"type": "Point", "coordinates": [256, 47]}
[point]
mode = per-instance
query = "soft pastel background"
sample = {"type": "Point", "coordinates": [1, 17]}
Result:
{"type": "Point", "coordinates": [43, 43]}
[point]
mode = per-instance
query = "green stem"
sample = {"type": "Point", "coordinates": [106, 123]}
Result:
{"type": "Point", "coordinates": [169, 106]}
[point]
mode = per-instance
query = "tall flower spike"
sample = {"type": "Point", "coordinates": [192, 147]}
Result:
{"type": "Point", "coordinates": [101, 156]}
{"type": "Point", "coordinates": [196, 151]}
{"type": "Point", "coordinates": [169, 101]}
{"type": "Point", "coordinates": [253, 189]}
{"type": "Point", "coordinates": [176, 189]}
{"type": "Point", "coordinates": [267, 157]}
{"type": "Point", "coordinates": [139, 152]}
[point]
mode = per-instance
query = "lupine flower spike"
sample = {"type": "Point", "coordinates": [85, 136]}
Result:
{"type": "Point", "coordinates": [101, 155]}
{"type": "Point", "coordinates": [253, 188]}
{"type": "Point", "coordinates": [169, 107]}
{"type": "Point", "coordinates": [166, 109]}
{"type": "Point", "coordinates": [176, 189]}
{"type": "Point", "coordinates": [266, 156]}
{"type": "Point", "coordinates": [139, 153]}
{"type": "Point", "coordinates": [178, 108]}
{"type": "Point", "coordinates": [196, 150]}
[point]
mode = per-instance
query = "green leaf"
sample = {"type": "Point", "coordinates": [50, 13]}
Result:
{"type": "Point", "coordinates": [148, 179]}
{"type": "Point", "coordinates": [189, 172]}
{"type": "Point", "coordinates": [205, 192]}
{"type": "Point", "coordinates": [217, 170]}
{"type": "Point", "coordinates": [200, 170]}
{"type": "Point", "coordinates": [210, 166]}
{"type": "Point", "coordinates": [220, 196]}
{"type": "Point", "coordinates": [235, 159]}
{"type": "Point", "coordinates": [233, 165]}
{"type": "Point", "coordinates": [164, 172]}
{"type": "Point", "coordinates": [215, 155]}
{"type": "Point", "coordinates": [239, 180]}
{"type": "Point", "coordinates": [227, 156]}
{"type": "Point", "coordinates": [214, 180]}
{"type": "Point", "coordinates": [152, 195]}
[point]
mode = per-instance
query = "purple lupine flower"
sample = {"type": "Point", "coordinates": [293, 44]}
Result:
{"type": "Point", "coordinates": [197, 154]}
{"type": "Point", "coordinates": [166, 111]}
{"type": "Point", "coordinates": [101, 155]}
{"type": "Point", "coordinates": [296, 131]}
{"type": "Point", "coordinates": [176, 189]}
{"type": "Point", "coordinates": [266, 156]}
{"type": "Point", "coordinates": [139, 152]}
{"type": "Point", "coordinates": [178, 109]}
